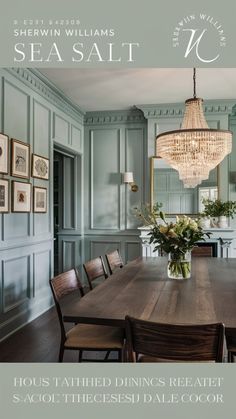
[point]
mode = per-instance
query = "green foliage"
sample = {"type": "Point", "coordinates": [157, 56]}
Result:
{"type": "Point", "coordinates": [148, 214]}
{"type": "Point", "coordinates": [219, 208]}
{"type": "Point", "coordinates": [177, 238]}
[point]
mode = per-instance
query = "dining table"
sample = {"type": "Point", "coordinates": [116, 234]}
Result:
{"type": "Point", "coordinates": [142, 289]}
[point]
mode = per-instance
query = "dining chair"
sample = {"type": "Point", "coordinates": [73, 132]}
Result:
{"type": "Point", "coordinates": [114, 261]}
{"type": "Point", "coordinates": [95, 269]}
{"type": "Point", "coordinates": [81, 337]}
{"type": "Point", "coordinates": [158, 342]}
{"type": "Point", "coordinates": [230, 335]}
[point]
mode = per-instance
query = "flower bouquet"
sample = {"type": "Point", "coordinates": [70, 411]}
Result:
{"type": "Point", "coordinates": [177, 239]}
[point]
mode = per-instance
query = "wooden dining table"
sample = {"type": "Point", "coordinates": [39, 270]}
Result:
{"type": "Point", "coordinates": [142, 289]}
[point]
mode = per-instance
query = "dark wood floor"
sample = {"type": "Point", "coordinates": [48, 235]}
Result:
{"type": "Point", "coordinates": [39, 342]}
{"type": "Point", "coordinates": [36, 342]}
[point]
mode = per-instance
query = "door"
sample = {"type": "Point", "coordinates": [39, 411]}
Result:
{"type": "Point", "coordinates": [64, 198]}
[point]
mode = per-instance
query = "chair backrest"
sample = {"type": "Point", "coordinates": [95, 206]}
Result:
{"type": "Point", "coordinates": [62, 285]}
{"type": "Point", "coordinates": [94, 269]}
{"type": "Point", "coordinates": [230, 334]}
{"type": "Point", "coordinates": [114, 261]}
{"type": "Point", "coordinates": [174, 342]}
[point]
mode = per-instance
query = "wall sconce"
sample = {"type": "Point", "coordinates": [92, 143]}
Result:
{"type": "Point", "coordinates": [129, 179]}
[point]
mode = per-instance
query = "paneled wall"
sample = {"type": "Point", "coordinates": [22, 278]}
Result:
{"type": "Point", "coordinates": [99, 218]}
{"type": "Point", "coordinates": [115, 142]}
{"type": "Point", "coordinates": [220, 114]}
{"type": "Point", "coordinates": [232, 164]}
{"type": "Point", "coordinates": [168, 117]}
{"type": "Point", "coordinates": [33, 112]}
{"type": "Point", "coordinates": [169, 190]}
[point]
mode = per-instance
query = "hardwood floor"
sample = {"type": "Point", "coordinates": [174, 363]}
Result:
{"type": "Point", "coordinates": [36, 342]}
{"type": "Point", "coordinates": [39, 341]}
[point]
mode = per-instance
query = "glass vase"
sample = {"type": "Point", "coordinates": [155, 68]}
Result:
{"type": "Point", "coordinates": [179, 267]}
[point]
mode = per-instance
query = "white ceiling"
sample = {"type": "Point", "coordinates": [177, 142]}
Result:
{"type": "Point", "coordinates": [109, 89]}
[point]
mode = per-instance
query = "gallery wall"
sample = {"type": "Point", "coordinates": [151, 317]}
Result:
{"type": "Point", "coordinates": [36, 114]}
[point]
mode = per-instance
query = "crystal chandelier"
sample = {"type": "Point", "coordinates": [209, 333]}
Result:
{"type": "Point", "coordinates": [195, 149]}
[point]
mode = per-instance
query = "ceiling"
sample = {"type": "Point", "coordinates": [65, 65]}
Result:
{"type": "Point", "coordinates": [110, 89]}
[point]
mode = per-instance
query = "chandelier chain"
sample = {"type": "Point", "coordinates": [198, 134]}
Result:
{"type": "Point", "coordinates": [194, 83]}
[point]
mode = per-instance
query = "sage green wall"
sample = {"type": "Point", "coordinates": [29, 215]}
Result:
{"type": "Point", "coordinates": [219, 114]}
{"type": "Point", "coordinates": [100, 218]}
{"type": "Point", "coordinates": [33, 112]}
{"type": "Point", "coordinates": [115, 142]}
{"type": "Point", "coordinates": [169, 190]}
{"type": "Point", "coordinates": [232, 162]}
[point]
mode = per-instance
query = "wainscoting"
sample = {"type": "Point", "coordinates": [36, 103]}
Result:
{"type": "Point", "coordinates": [103, 145]}
{"type": "Point", "coordinates": [74, 250]}
{"type": "Point", "coordinates": [33, 112]}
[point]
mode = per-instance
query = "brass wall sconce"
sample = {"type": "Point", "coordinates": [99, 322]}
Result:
{"type": "Point", "coordinates": [128, 178]}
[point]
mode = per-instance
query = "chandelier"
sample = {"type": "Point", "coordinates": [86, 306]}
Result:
{"type": "Point", "coordinates": [195, 149]}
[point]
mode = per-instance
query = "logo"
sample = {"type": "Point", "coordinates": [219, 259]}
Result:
{"type": "Point", "coordinates": [202, 35]}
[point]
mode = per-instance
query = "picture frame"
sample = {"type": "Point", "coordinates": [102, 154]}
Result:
{"type": "Point", "coordinates": [4, 195]}
{"type": "Point", "coordinates": [20, 159]}
{"type": "Point", "coordinates": [21, 196]}
{"type": "Point", "coordinates": [4, 154]}
{"type": "Point", "coordinates": [40, 199]}
{"type": "Point", "coordinates": [40, 167]}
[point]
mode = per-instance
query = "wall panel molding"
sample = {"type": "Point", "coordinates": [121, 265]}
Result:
{"type": "Point", "coordinates": [132, 250]}
{"type": "Point", "coordinates": [43, 270]}
{"type": "Point", "coordinates": [61, 129]}
{"type": "Point", "coordinates": [129, 246]}
{"type": "Point", "coordinates": [42, 146]}
{"type": "Point", "coordinates": [76, 138]}
{"type": "Point", "coordinates": [221, 107]}
{"type": "Point", "coordinates": [15, 276]}
{"type": "Point", "coordinates": [40, 84]}
{"type": "Point", "coordinates": [113, 117]}
{"type": "Point", "coordinates": [28, 103]}
{"type": "Point", "coordinates": [102, 243]}
{"type": "Point", "coordinates": [26, 243]}
{"type": "Point", "coordinates": [68, 254]}
{"type": "Point", "coordinates": [134, 162]}
{"type": "Point", "coordinates": [104, 179]}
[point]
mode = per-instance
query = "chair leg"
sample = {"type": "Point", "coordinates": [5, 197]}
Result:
{"type": "Point", "coordinates": [80, 359]}
{"type": "Point", "coordinates": [107, 355]}
{"type": "Point", "coordinates": [61, 353]}
{"type": "Point", "coordinates": [231, 356]}
{"type": "Point", "coordinates": [125, 353]}
{"type": "Point", "coordinates": [120, 355]}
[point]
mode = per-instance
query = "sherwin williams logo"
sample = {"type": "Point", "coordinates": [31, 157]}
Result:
{"type": "Point", "coordinates": [199, 34]}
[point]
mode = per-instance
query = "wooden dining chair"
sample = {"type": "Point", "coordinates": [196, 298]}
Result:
{"type": "Point", "coordinates": [81, 337]}
{"type": "Point", "coordinates": [156, 342]}
{"type": "Point", "coordinates": [230, 335]}
{"type": "Point", "coordinates": [95, 269]}
{"type": "Point", "coordinates": [114, 261]}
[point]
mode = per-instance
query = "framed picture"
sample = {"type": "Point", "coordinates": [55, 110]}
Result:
{"type": "Point", "coordinates": [40, 199]}
{"type": "Point", "coordinates": [40, 167]}
{"type": "Point", "coordinates": [20, 159]}
{"type": "Point", "coordinates": [4, 195]}
{"type": "Point", "coordinates": [4, 153]}
{"type": "Point", "coordinates": [21, 197]}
